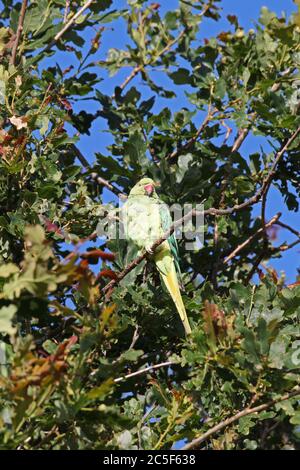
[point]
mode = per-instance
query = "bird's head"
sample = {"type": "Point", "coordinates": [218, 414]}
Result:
{"type": "Point", "coordinates": [145, 187]}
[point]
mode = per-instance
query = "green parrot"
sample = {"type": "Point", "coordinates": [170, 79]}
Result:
{"type": "Point", "coordinates": [145, 219]}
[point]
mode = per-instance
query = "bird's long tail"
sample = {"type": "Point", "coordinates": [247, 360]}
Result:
{"type": "Point", "coordinates": [169, 277]}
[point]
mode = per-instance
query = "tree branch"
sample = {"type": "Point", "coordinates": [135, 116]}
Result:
{"type": "Point", "coordinates": [94, 176]}
{"type": "Point", "coordinates": [139, 68]}
{"type": "Point", "coordinates": [247, 411]}
{"type": "Point", "coordinates": [67, 7]}
{"type": "Point", "coordinates": [288, 227]}
{"type": "Point", "coordinates": [69, 24]}
{"type": "Point", "coordinates": [108, 185]}
{"type": "Point", "coordinates": [193, 139]}
{"type": "Point", "coordinates": [19, 32]}
{"type": "Point", "coordinates": [143, 371]}
{"type": "Point", "coordinates": [242, 134]}
{"type": "Point", "coordinates": [130, 77]}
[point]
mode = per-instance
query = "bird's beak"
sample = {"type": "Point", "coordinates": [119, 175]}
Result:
{"type": "Point", "coordinates": [149, 189]}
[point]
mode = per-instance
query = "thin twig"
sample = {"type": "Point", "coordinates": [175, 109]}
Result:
{"type": "Point", "coordinates": [130, 77]}
{"type": "Point", "coordinates": [247, 411]}
{"type": "Point", "coordinates": [135, 337]}
{"type": "Point", "coordinates": [242, 134]}
{"type": "Point", "coordinates": [80, 156]}
{"type": "Point", "coordinates": [212, 211]}
{"type": "Point", "coordinates": [19, 32]}
{"type": "Point", "coordinates": [228, 131]}
{"type": "Point", "coordinates": [251, 238]}
{"type": "Point", "coordinates": [143, 371]}
{"type": "Point", "coordinates": [256, 264]}
{"type": "Point", "coordinates": [286, 247]}
{"type": "Point", "coordinates": [169, 45]}
{"type": "Point", "coordinates": [95, 177]}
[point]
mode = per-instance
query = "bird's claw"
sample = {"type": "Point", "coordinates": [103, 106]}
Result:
{"type": "Point", "coordinates": [149, 251]}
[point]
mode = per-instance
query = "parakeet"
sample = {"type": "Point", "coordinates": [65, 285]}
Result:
{"type": "Point", "coordinates": [145, 219]}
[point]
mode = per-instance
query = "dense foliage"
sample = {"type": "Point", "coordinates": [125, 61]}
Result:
{"type": "Point", "coordinates": [67, 348]}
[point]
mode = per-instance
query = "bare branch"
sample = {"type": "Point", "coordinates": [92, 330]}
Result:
{"type": "Point", "coordinates": [140, 67]}
{"type": "Point", "coordinates": [95, 177]}
{"type": "Point", "coordinates": [242, 134]}
{"type": "Point", "coordinates": [256, 264]}
{"type": "Point", "coordinates": [247, 411]}
{"type": "Point", "coordinates": [130, 77]}
{"type": "Point", "coordinates": [80, 156]}
{"type": "Point", "coordinates": [135, 337]}
{"type": "Point", "coordinates": [67, 7]}
{"type": "Point", "coordinates": [108, 185]}
{"type": "Point", "coordinates": [69, 24]}
{"type": "Point", "coordinates": [286, 247]}
{"type": "Point", "coordinates": [288, 227]}
{"type": "Point", "coordinates": [212, 211]}
{"type": "Point", "coordinates": [251, 238]}
{"type": "Point", "coordinates": [193, 139]}
{"type": "Point", "coordinates": [19, 32]}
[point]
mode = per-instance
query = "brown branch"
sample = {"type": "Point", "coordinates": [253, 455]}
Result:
{"type": "Point", "coordinates": [247, 411]}
{"type": "Point", "coordinates": [264, 254]}
{"type": "Point", "coordinates": [251, 238]}
{"type": "Point", "coordinates": [256, 264]}
{"type": "Point", "coordinates": [95, 177]}
{"type": "Point", "coordinates": [69, 24]}
{"type": "Point", "coordinates": [242, 134]}
{"type": "Point", "coordinates": [135, 337]}
{"type": "Point", "coordinates": [80, 156]}
{"type": "Point", "coordinates": [139, 68]}
{"type": "Point", "coordinates": [130, 77]}
{"type": "Point", "coordinates": [286, 247]}
{"type": "Point", "coordinates": [67, 7]}
{"type": "Point", "coordinates": [19, 32]}
{"type": "Point", "coordinates": [193, 139]}
{"type": "Point", "coordinates": [212, 211]}
{"type": "Point", "coordinates": [288, 227]}
{"type": "Point", "coordinates": [143, 371]}
{"type": "Point", "coordinates": [108, 185]}
{"type": "Point", "coordinates": [228, 131]}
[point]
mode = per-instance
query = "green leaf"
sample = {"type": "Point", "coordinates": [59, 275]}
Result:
{"type": "Point", "coordinates": [8, 269]}
{"type": "Point", "coordinates": [6, 316]}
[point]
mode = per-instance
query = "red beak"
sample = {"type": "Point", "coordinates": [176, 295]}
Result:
{"type": "Point", "coordinates": [149, 189]}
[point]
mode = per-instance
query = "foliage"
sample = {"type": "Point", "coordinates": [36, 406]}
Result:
{"type": "Point", "coordinates": [67, 350]}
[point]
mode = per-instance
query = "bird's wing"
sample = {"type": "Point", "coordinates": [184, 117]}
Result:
{"type": "Point", "coordinates": [141, 221]}
{"type": "Point", "coordinates": [166, 222]}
